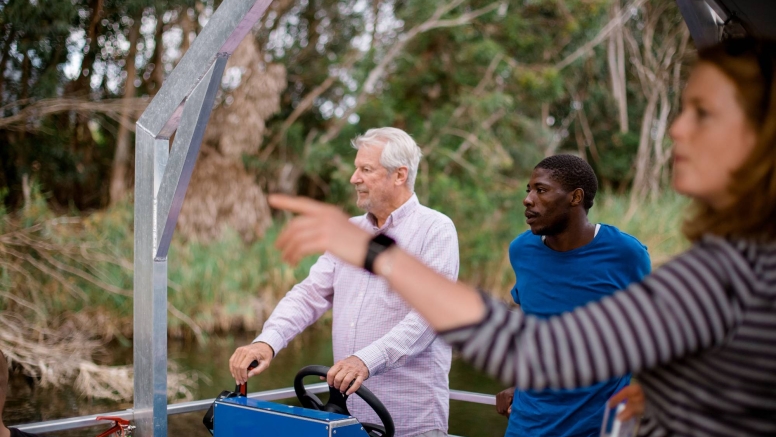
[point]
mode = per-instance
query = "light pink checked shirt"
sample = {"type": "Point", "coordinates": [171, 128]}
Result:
{"type": "Point", "coordinates": [408, 365]}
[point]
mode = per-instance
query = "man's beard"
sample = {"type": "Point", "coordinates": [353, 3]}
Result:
{"type": "Point", "coordinates": [554, 228]}
{"type": "Point", "coordinates": [375, 198]}
{"type": "Point", "coordinates": [365, 205]}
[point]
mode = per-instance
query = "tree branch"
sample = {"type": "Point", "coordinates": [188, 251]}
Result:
{"type": "Point", "coordinates": [379, 70]}
{"type": "Point", "coordinates": [463, 107]}
{"type": "Point", "coordinates": [307, 102]}
{"type": "Point", "coordinates": [27, 117]}
{"type": "Point", "coordinates": [613, 24]}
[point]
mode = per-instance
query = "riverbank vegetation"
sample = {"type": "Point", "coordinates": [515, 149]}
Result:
{"type": "Point", "coordinates": [77, 270]}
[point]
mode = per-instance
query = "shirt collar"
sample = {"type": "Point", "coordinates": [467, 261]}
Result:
{"type": "Point", "coordinates": [397, 215]}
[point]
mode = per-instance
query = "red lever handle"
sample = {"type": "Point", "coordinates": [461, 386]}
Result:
{"type": "Point", "coordinates": [118, 420]}
{"type": "Point", "coordinates": [242, 389]}
{"type": "Point", "coordinates": [119, 425]}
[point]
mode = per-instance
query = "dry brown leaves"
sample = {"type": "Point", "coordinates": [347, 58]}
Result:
{"type": "Point", "coordinates": [221, 192]}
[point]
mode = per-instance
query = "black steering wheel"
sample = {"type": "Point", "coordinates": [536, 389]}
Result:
{"type": "Point", "coordinates": [337, 404]}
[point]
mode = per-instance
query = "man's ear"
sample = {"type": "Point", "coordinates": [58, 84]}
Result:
{"type": "Point", "coordinates": [577, 197]}
{"type": "Point", "coordinates": [401, 176]}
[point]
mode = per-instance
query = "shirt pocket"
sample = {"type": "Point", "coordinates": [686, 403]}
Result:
{"type": "Point", "coordinates": [389, 304]}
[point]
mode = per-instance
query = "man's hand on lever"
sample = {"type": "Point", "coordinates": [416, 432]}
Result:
{"type": "Point", "coordinates": [347, 375]}
{"type": "Point", "coordinates": [245, 355]}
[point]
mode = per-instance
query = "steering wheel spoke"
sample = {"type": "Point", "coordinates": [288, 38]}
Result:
{"type": "Point", "coordinates": [374, 430]}
{"type": "Point", "coordinates": [310, 401]}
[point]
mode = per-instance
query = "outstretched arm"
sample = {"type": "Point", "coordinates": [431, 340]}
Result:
{"type": "Point", "coordinates": [683, 308]}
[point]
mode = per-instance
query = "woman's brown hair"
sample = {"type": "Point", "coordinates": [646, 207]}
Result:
{"type": "Point", "coordinates": [749, 63]}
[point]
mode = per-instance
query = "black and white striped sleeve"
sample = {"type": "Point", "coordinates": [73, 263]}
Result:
{"type": "Point", "coordinates": [684, 307]}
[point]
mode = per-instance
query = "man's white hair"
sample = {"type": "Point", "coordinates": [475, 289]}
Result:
{"type": "Point", "coordinates": [399, 150]}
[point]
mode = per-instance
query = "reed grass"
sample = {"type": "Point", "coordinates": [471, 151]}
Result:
{"type": "Point", "coordinates": [656, 222]}
{"type": "Point", "coordinates": [53, 266]}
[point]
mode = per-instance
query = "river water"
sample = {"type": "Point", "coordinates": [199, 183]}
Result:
{"type": "Point", "coordinates": [27, 403]}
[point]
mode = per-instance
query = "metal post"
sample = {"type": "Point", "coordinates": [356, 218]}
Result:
{"type": "Point", "coordinates": [183, 104]}
{"type": "Point", "coordinates": [150, 315]}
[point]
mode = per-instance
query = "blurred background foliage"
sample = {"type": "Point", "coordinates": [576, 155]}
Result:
{"type": "Point", "coordinates": [486, 87]}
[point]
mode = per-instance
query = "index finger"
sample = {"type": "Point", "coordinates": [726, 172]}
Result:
{"type": "Point", "coordinates": [246, 362]}
{"type": "Point", "coordinates": [295, 204]}
{"type": "Point", "coordinates": [234, 365]}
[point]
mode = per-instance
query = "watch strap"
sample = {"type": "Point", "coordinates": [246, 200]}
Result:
{"type": "Point", "coordinates": [377, 245]}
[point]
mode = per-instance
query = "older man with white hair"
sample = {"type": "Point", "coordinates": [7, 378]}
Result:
{"type": "Point", "coordinates": [377, 339]}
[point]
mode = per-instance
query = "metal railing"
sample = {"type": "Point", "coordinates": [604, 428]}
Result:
{"type": "Point", "coordinates": [201, 405]}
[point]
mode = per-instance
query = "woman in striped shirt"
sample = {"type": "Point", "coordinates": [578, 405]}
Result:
{"type": "Point", "coordinates": [700, 332]}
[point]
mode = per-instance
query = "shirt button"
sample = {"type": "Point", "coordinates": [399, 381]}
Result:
{"type": "Point", "coordinates": [352, 325]}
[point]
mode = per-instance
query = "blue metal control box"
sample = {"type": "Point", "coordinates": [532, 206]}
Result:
{"type": "Point", "coordinates": [243, 417]}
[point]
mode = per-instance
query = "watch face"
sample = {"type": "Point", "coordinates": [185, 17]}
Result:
{"type": "Point", "coordinates": [377, 245]}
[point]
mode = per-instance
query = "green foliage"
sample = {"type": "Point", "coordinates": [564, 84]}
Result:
{"type": "Point", "coordinates": [618, 166]}
{"type": "Point", "coordinates": [494, 79]}
{"type": "Point", "coordinates": [228, 284]}
{"type": "Point", "coordinates": [74, 49]}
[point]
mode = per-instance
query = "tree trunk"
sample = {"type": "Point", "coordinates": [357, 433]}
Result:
{"type": "Point", "coordinates": [661, 157]}
{"type": "Point", "coordinates": [623, 81]}
{"type": "Point", "coordinates": [25, 88]}
{"type": "Point", "coordinates": [4, 60]}
{"type": "Point", "coordinates": [82, 139]}
{"type": "Point", "coordinates": [118, 180]}
{"type": "Point", "coordinates": [643, 155]}
{"type": "Point", "coordinates": [616, 61]}
{"type": "Point", "coordinates": [187, 26]}
{"type": "Point", "coordinates": [82, 83]}
{"type": "Point", "coordinates": [25, 80]}
{"type": "Point", "coordinates": [157, 75]}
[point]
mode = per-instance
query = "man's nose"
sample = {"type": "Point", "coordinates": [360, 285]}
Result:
{"type": "Point", "coordinates": [356, 178]}
{"type": "Point", "coordinates": [528, 200]}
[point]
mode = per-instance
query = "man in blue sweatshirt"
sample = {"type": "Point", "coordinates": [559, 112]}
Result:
{"type": "Point", "coordinates": [563, 262]}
